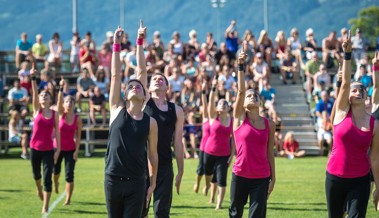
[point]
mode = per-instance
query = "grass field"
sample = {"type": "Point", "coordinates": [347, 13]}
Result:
{"type": "Point", "coordinates": [299, 191]}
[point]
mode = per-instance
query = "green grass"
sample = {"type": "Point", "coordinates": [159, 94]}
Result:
{"type": "Point", "coordinates": [299, 191]}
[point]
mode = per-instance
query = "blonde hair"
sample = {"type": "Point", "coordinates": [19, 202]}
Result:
{"type": "Point", "coordinates": [260, 39]}
{"type": "Point", "coordinates": [289, 135]}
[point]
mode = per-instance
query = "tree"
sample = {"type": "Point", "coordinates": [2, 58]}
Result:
{"type": "Point", "coordinates": [368, 22]}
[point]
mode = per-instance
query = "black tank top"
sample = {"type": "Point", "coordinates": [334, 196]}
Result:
{"type": "Point", "coordinates": [127, 146]}
{"type": "Point", "coordinates": [166, 121]}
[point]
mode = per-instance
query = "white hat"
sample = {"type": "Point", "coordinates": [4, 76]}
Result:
{"type": "Point", "coordinates": [157, 33]}
{"type": "Point", "coordinates": [192, 33]}
{"type": "Point", "coordinates": [109, 34]}
{"type": "Point", "coordinates": [309, 32]}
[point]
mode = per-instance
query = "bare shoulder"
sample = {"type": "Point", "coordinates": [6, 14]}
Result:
{"type": "Point", "coordinates": [271, 124]}
{"type": "Point", "coordinates": [179, 110]}
{"type": "Point", "coordinates": [153, 123]}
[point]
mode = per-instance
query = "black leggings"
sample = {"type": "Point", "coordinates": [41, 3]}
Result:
{"type": "Point", "coordinates": [47, 159]}
{"type": "Point", "coordinates": [218, 166]}
{"type": "Point", "coordinates": [350, 194]}
{"type": "Point", "coordinates": [69, 165]}
{"type": "Point", "coordinates": [124, 196]}
{"type": "Point", "coordinates": [200, 168]}
{"type": "Point", "coordinates": [241, 188]}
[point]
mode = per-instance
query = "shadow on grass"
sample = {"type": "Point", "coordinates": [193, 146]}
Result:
{"type": "Point", "coordinates": [192, 207]}
{"type": "Point", "coordinates": [296, 209]}
{"type": "Point", "coordinates": [296, 203]}
{"type": "Point", "coordinates": [12, 190]}
{"type": "Point", "coordinates": [90, 203]}
{"type": "Point", "coordinates": [65, 211]}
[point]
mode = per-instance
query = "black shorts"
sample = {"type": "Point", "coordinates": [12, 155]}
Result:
{"type": "Point", "coordinates": [19, 108]}
{"type": "Point", "coordinates": [217, 165]}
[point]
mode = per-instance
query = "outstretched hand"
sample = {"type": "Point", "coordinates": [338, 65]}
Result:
{"type": "Point", "coordinates": [339, 73]}
{"type": "Point", "coordinates": [141, 30]}
{"type": "Point", "coordinates": [346, 45]}
{"type": "Point", "coordinates": [62, 82]}
{"type": "Point", "coordinates": [242, 56]}
{"type": "Point", "coordinates": [375, 60]}
{"type": "Point", "coordinates": [117, 35]}
{"type": "Point", "coordinates": [376, 200]}
{"type": "Point", "coordinates": [33, 70]}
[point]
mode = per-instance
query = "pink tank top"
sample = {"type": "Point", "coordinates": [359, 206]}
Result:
{"type": "Point", "coordinates": [42, 130]}
{"type": "Point", "coordinates": [349, 156]}
{"type": "Point", "coordinates": [218, 143]}
{"type": "Point", "coordinates": [251, 146]}
{"type": "Point", "coordinates": [204, 138]}
{"type": "Point", "coordinates": [67, 134]}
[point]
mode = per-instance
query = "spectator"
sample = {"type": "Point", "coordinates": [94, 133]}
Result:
{"type": "Point", "coordinates": [288, 68]}
{"type": "Point", "coordinates": [104, 57]}
{"type": "Point", "coordinates": [291, 146]}
{"type": "Point", "coordinates": [310, 44]}
{"type": "Point", "coordinates": [97, 104]}
{"type": "Point", "coordinates": [90, 42]}
{"type": "Point", "coordinates": [324, 133]}
{"type": "Point", "coordinates": [322, 76]}
{"type": "Point", "coordinates": [311, 68]}
{"type": "Point", "coordinates": [178, 46]}
{"type": "Point", "coordinates": [265, 47]}
{"type": "Point", "coordinates": [87, 58]}
{"type": "Point", "coordinates": [23, 48]}
{"type": "Point", "coordinates": [268, 96]}
{"type": "Point", "coordinates": [212, 45]}
{"type": "Point", "coordinates": [226, 76]}
{"type": "Point", "coordinates": [130, 63]}
{"type": "Point", "coordinates": [102, 81]}
{"type": "Point", "coordinates": [16, 135]}
{"type": "Point", "coordinates": [74, 54]}
{"type": "Point", "coordinates": [39, 50]}
{"type": "Point", "coordinates": [231, 37]}
{"type": "Point", "coordinates": [56, 49]}
{"type": "Point", "coordinates": [223, 52]}
{"type": "Point", "coordinates": [190, 96]}
{"type": "Point", "coordinates": [360, 46]}
{"type": "Point", "coordinates": [108, 42]}
{"type": "Point", "coordinates": [176, 84]}
{"type": "Point", "coordinates": [158, 44]}
{"type": "Point", "coordinates": [341, 39]}
{"type": "Point", "coordinates": [259, 69]}
{"type": "Point", "coordinates": [365, 79]}
{"type": "Point", "coordinates": [153, 61]}
{"type": "Point", "coordinates": [330, 46]}
{"type": "Point", "coordinates": [190, 70]}
{"type": "Point", "coordinates": [209, 65]}
{"type": "Point", "coordinates": [126, 45]}
{"type": "Point", "coordinates": [325, 104]}
{"type": "Point", "coordinates": [24, 76]}
{"type": "Point", "coordinates": [84, 86]}
{"type": "Point", "coordinates": [192, 42]}
{"type": "Point", "coordinates": [44, 80]}
{"type": "Point", "coordinates": [281, 44]}
{"type": "Point", "coordinates": [18, 99]}
{"type": "Point", "coordinates": [295, 46]}
{"type": "Point", "coordinates": [251, 41]}
{"type": "Point", "coordinates": [203, 53]}
{"type": "Point", "coordinates": [278, 134]}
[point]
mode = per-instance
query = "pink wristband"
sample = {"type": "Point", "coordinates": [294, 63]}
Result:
{"type": "Point", "coordinates": [116, 47]}
{"type": "Point", "coordinates": [375, 68]}
{"type": "Point", "coordinates": [139, 41]}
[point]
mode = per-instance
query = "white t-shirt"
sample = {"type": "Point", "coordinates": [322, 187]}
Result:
{"type": "Point", "coordinates": [17, 94]}
{"type": "Point", "coordinates": [176, 85]}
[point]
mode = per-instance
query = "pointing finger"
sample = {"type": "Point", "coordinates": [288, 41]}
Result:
{"type": "Point", "coordinates": [140, 23]}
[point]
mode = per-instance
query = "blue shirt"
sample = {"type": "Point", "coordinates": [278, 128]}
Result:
{"type": "Point", "coordinates": [267, 94]}
{"type": "Point", "coordinates": [24, 46]}
{"type": "Point", "coordinates": [366, 80]}
{"type": "Point", "coordinates": [231, 44]}
{"type": "Point", "coordinates": [321, 106]}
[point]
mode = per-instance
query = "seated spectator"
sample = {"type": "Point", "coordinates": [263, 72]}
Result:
{"type": "Point", "coordinates": [325, 104]}
{"type": "Point", "coordinates": [39, 50]}
{"type": "Point", "coordinates": [104, 58]}
{"type": "Point", "coordinates": [265, 47]}
{"type": "Point", "coordinates": [203, 53]}
{"type": "Point", "coordinates": [268, 96]}
{"type": "Point", "coordinates": [310, 44]}
{"type": "Point", "coordinates": [153, 60]}
{"type": "Point", "coordinates": [97, 104]}
{"type": "Point", "coordinates": [158, 44]}
{"type": "Point", "coordinates": [251, 41]}
{"type": "Point", "coordinates": [231, 38]}
{"type": "Point", "coordinates": [56, 49]}
{"type": "Point", "coordinates": [360, 46]}
{"type": "Point", "coordinates": [87, 58]}
{"type": "Point", "coordinates": [295, 46]}
{"type": "Point", "coordinates": [321, 76]}
{"type": "Point", "coordinates": [259, 69]}
{"type": "Point", "coordinates": [74, 54]}
{"type": "Point", "coordinates": [316, 94]}
{"type": "Point", "coordinates": [67, 90]}
{"type": "Point", "coordinates": [311, 68]}
{"type": "Point", "coordinates": [209, 65]}
{"type": "Point", "coordinates": [23, 50]}
{"type": "Point", "coordinates": [44, 79]}
{"type": "Point", "coordinates": [176, 84]}
{"type": "Point", "coordinates": [85, 86]}
{"type": "Point", "coordinates": [90, 42]}
{"type": "Point", "coordinates": [16, 135]}
{"type": "Point", "coordinates": [190, 70]}
{"type": "Point", "coordinates": [24, 76]}
{"type": "Point", "coordinates": [102, 81]}
{"type": "Point", "coordinates": [330, 46]}
{"type": "Point", "coordinates": [224, 52]}
{"type": "Point", "coordinates": [324, 133]}
{"type": "Point", "coordinates": [222, 92]}
{"type": "Point", "coordinates": [291, 146]}
{"type": "Point", "coordinates": [130, 63]}
{"type": "Point", "coordinates": [365, 79]}
{"type": "Point", "coordinates": [108, 42]}
{"type": "Point", "coordinates": [281, 45]}
{"type": "Point", "coordinates": [192, 42]}
{"type": "Point", "coordinates": [288, 68]}
{"type": "Point", "coordinates": [177, 44]}
{"type": "Point", "coordinates": [226, 76]}
{"type": "Point", "coordinates": [278, 134]}
{"type": "Point", "coordinates": [212, 45]}
{"type": "Point", "coordinates": [18, 99]}
{"type": "Point", "coordinates": [190, 96]}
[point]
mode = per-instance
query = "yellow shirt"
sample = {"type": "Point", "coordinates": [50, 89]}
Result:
{"type": "Point", "coordinates": [39, 49]}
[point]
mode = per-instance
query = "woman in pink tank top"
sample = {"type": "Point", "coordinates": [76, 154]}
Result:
{"type": "Point", "coordinates": [204, 139]}
{"type": "Point", "coordinates": [41, 144]}
{"type": "Point", "coordinates": [347, 183]}
{"type": "Point", "coordinates": [218, 149]}
{"type": "Point", "coordinates": [70, 127]}
{"type": "Point", "coordinates": [254, 168]}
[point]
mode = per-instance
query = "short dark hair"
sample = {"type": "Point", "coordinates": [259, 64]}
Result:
{"type": "Point", "coordinates": [161, 74]}
{"type": "Point", "coordinates": [137, 81]}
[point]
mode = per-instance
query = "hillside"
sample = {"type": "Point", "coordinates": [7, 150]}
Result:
{"type": "Point", "coordinates": [46, 17]}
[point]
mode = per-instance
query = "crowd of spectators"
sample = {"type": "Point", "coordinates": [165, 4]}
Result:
{"type": "Point", "coordinates": [189, 64]}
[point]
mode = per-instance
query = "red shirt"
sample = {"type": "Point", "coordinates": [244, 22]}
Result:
{"type": "Point", "coordinates": [291, 147]}
{"type": "Point", "coordinates": [88, 58]}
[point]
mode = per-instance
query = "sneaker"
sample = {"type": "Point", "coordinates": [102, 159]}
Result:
{"type": "Point", "coordinates": [24, 156]}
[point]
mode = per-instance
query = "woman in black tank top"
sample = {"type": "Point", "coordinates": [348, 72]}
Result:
{"type": "Point", "coordinates": [132, 139]}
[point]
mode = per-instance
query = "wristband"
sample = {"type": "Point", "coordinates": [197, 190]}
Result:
{"type": "Point", "coordinates": [347, 56]}
{"type": "Point", "coordinates": [375, 68]}
{"type": "Point", "coordinates": [338, 84]}
{"type": "Point", "coordinates": [61, 89]}
{"type": "Point", "coordinates": [33, 78]}
{"type": "Point", "coordinates": [116, 47]}
{"type": "Point", "coordinates": [139, 41]}
{"type": "Point", "coordinates": [213, 88]}
{"type": "Point", "coordinates": [203, 92]}
{"type": "Point", "coordinates": [241, 67]}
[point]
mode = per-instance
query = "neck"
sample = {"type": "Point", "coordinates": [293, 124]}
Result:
{"type": "Point", "coordinates": [223, 115]}
{"type": "Point", "coordinates": [134, 107]}
{"type": "Point", "coordinates": [159, 97]}
{"type": "Point", "coordinates": [358, 110]}
{"type": "Point", "coordinates": [69, 112]}
{"type": "Point", "coordinates": [45, 108]}
{"type": "Point", "coordinates": [253, 114]}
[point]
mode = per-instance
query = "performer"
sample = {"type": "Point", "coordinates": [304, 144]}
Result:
{"type": "Point", "coordinates": [254, 168]}
{"type": "Point", "coordinates": [132, 138]}
{"type": "Point", "coordinates": [41, 144]}
{"type": "Point", "coordinates": [170, 120]}
{"type": "Point", "coordinates": [70, 127]}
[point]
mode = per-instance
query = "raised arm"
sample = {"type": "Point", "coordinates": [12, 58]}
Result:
{"type": "Point", "coordinates": [374, 156]}
{"type": "Point", "coordinates": [270, 156]}
{"type": "Point", "coordinates": [342, 102]}
{"type": "Point", "coordinates": [115, 87]}
{"type": "Point", "coordinates": [78, 136]}
{"type": "Point", "coordinates": [204, 101]}
{"type": "Point", "coordinates": [239, 110]}
{"type": "Point", "coordinates": [375, 78]}
{"type": "Point", "coordinates": [141, 62]}
{"type": "Point", "coordinates": [179, 153]}
{"type": "Point", "coordinates": [338, 85]}
{"type": "Point", "coordinates": [230, 28]}
{"type": "Point", "coordinates": [212, 96]}
{"type": "Point", "coordinates": [153, 158]}
{"type": "Point", "coordinates": [35, 101]}
{"type": "Point", "coordinates": [57, 138]}
{"type": "Point", "coordinates": [60, 96]}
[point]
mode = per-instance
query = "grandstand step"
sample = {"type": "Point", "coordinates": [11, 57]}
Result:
{"type": "Point", "coordinates": [294, 114]}
{"type": "Point", "coordinates": [310, 150]}
{"type": "Point", "coordinates": [302, 135]}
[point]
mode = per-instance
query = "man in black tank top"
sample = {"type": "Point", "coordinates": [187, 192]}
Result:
{"type": "Point", "coordinates": [132, 139]}
{"type": "Point", "coordinates": [170, 119]}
